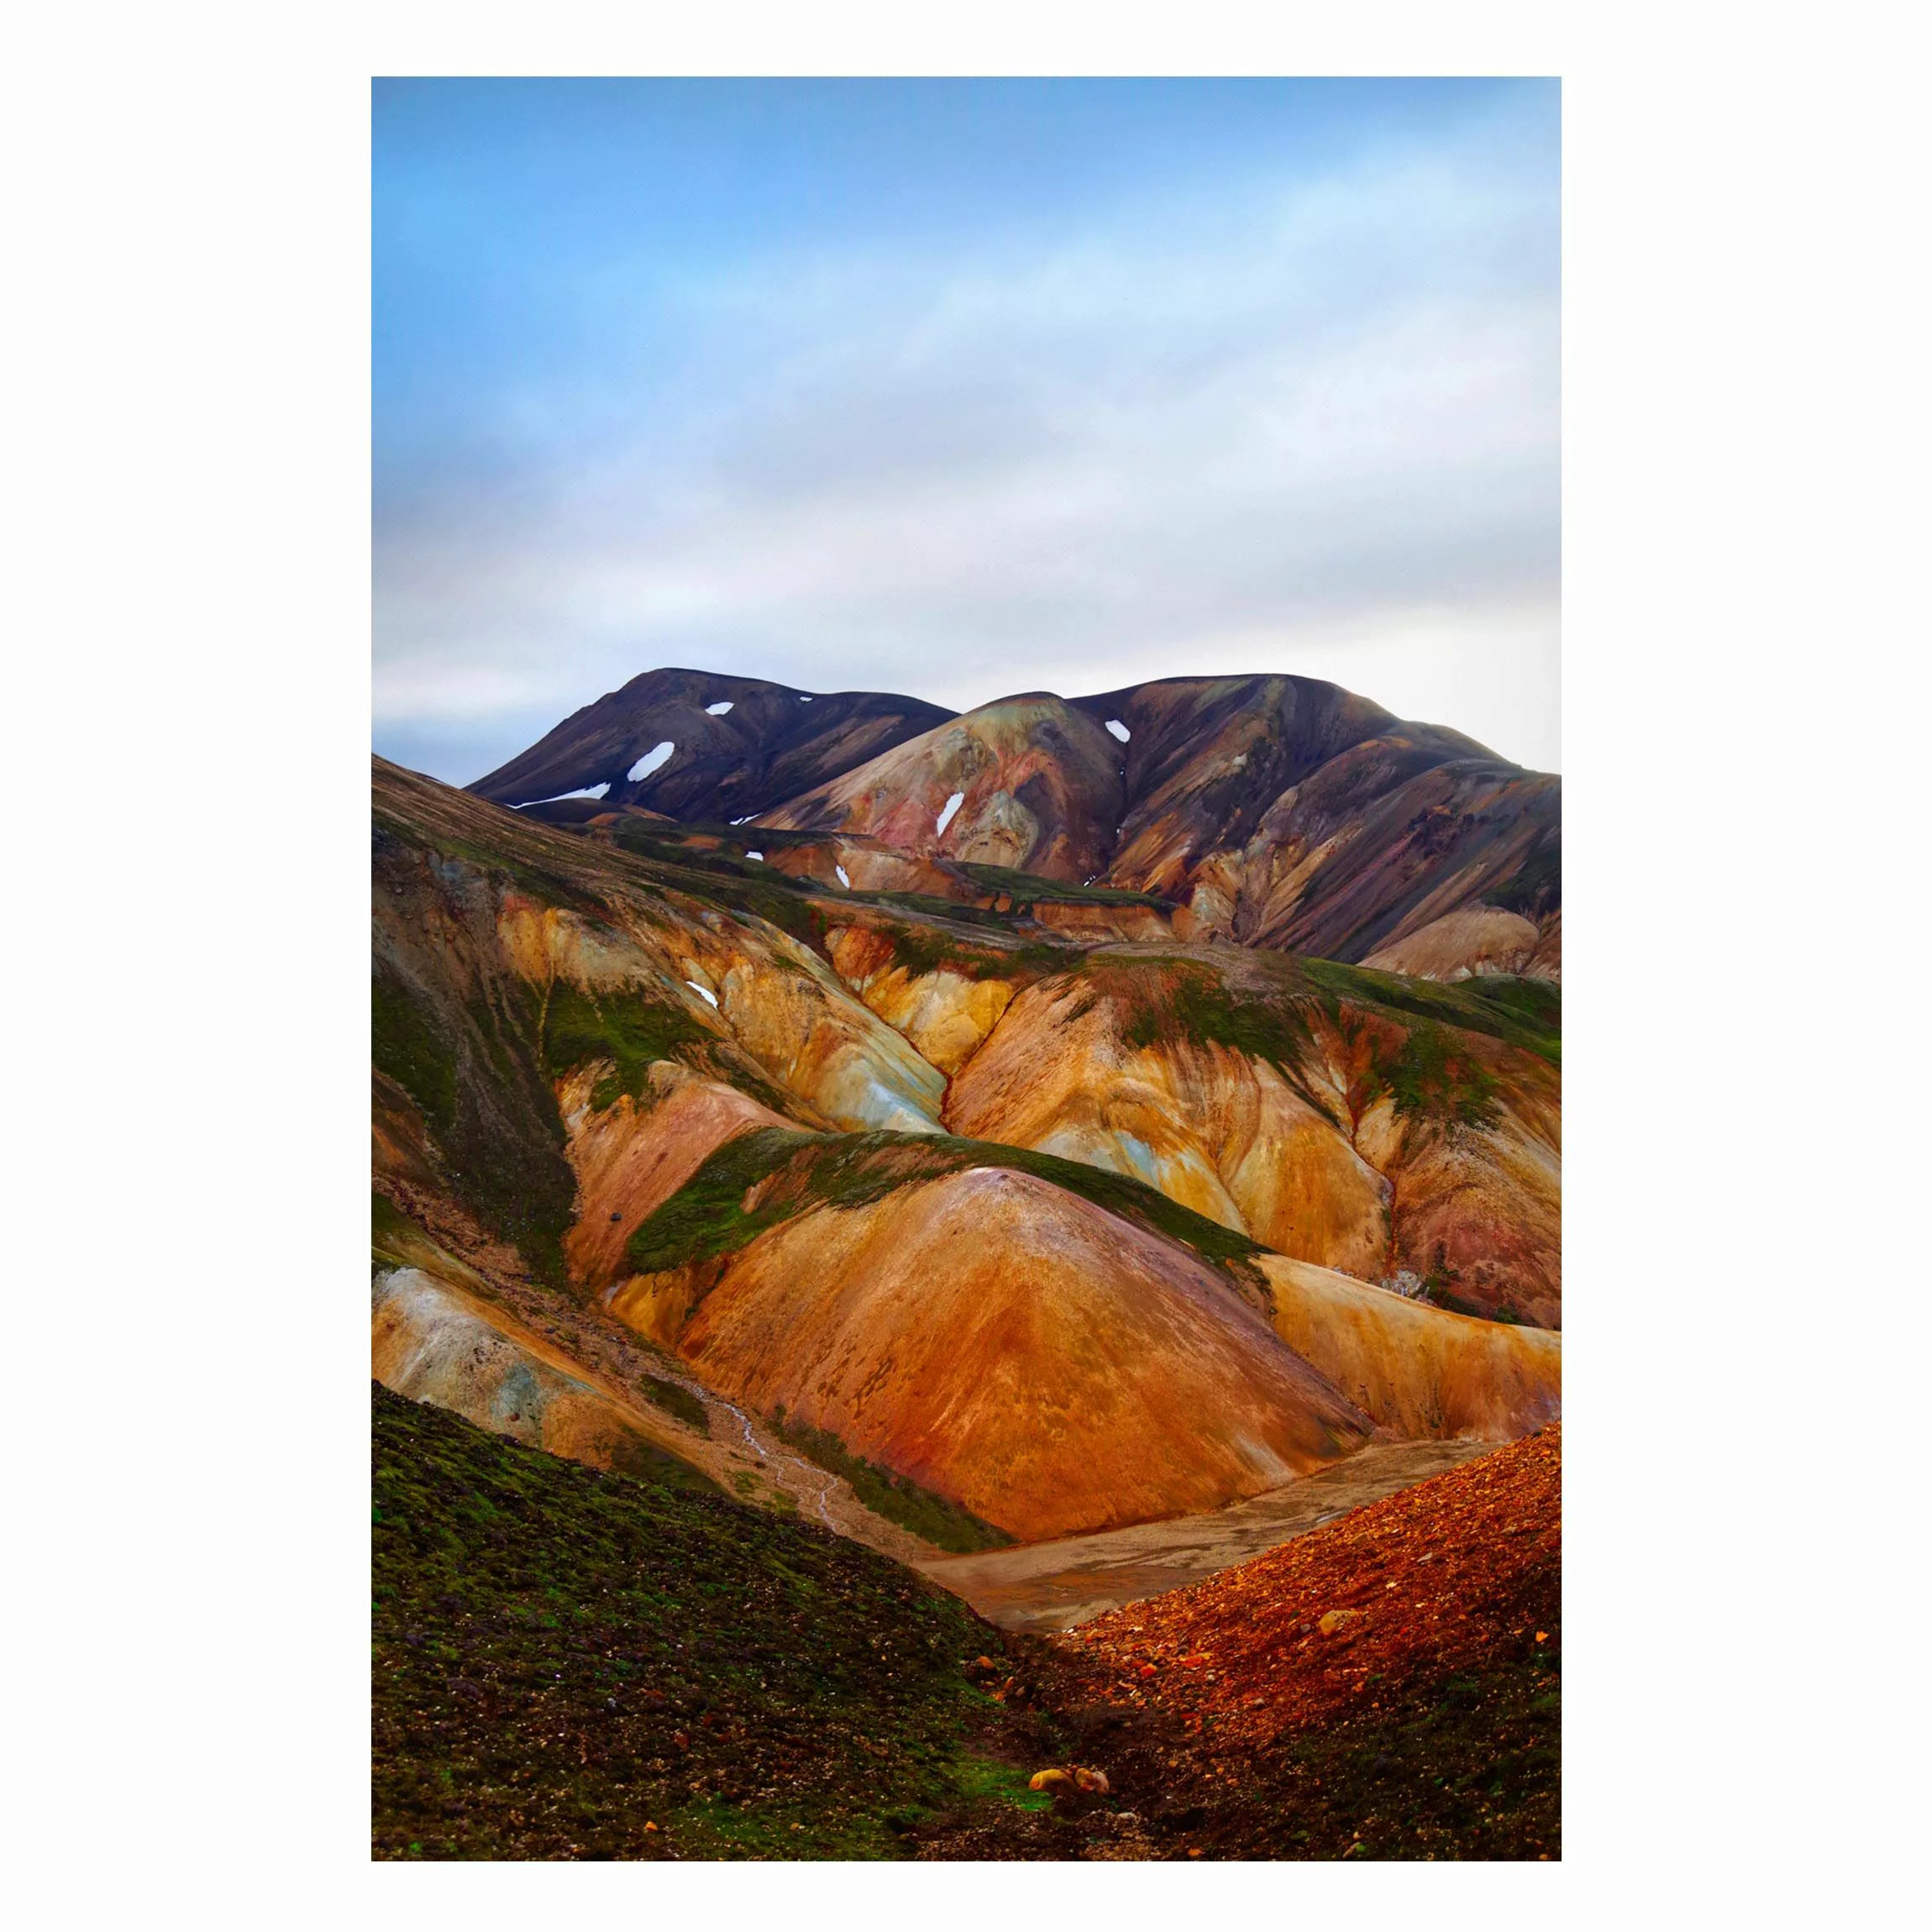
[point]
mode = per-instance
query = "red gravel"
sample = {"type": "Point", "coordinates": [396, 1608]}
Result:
{"type": "Point", "coordinates": [1458, 1572]}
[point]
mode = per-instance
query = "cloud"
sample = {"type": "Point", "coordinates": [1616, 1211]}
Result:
{"type": "Point", "coordinates": [1306, 426]}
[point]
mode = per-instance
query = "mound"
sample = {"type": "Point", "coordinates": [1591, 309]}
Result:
{"type": "Point", "coordinates": [1052, 1366]}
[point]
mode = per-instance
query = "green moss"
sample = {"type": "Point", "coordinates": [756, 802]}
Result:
{"type": "Point", "coordinates": [1537, 885]}
{"type": "Point", "coordinates": [708, 1216]}
{"type": "Point", "coordinates": [925, 905]}
{"type": "Point", "coordinates": [468, 1069]}
{"type": "Point", "coordinates": [898, 1498]}
{"type": "Point", "coordinates": [729, 880]}
{"type": "Point", "coordinates": [562, 1655]}
{"type": "Point", "coordinates": [675, 1399]}
{"type": "Point", "coordinates": [388, 1225]}
{"type": "Point", "coordinates": [1193, 1000]}
{"type": "Point", "coordinates": [408, 1046]}
{"type": "Point", "coordinates": [714, 1213]}
{"type": "Point", "coordinates": [1431, 1077]}
{"type": "Point", "coordinates": [1030, 889]}
{"type": "Point", "coordinates": [1525, 1013]}
{"type": "Point", "coordinates": [630, 1029]}
{"type": "Point", "coordinates": [926, 949]}
{"type": "Point", "coordinates": [1007, 1784]}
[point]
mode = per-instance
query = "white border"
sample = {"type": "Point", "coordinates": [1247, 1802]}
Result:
{"type": "Point", "coordinates": [187, 435]}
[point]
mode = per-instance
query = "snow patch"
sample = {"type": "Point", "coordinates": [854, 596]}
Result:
{"type": "Point", "coordinates": [1119, 730]}
{"type": "Point", "coordinates": [702, 992]}
{"type": "Point", "coordinates": [759, 856]}
{"type": "Point", "coordinates": [843, 880]}
{"type": "Point", "coordinates": [589, 791]}
{"type": "Point", "coordinates": [719, 709]}
{"type": "Point", "coordinates": [803, 699]}
{"type": "Point", "coordinates": [651, 761]}
{"type": "Point", "coordinates": [952, 805]}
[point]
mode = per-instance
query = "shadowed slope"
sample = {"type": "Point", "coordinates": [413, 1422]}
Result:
{"type": "Point", "coordinates": [768, 743]}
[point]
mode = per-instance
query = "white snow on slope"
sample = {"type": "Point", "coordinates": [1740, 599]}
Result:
{"type": "Point", "coordinates": [803, 699]}
{"type": "Point", "coordinates": [590, 791]}
{"type": "Point", "coordinates": [650, 761]}
{"type": "Point", "coordinates": [843, 880]}
{"type": "Point", "coordinates": [702, 992]}
{"type": "Point", "coordinates": [759, 856]}
{"type": "Point", "coordinates": [719, 709]}
{"type": "Point", "coordinates": [952, 805]}
{"type": "Point", "coordinates": [1119, 730]}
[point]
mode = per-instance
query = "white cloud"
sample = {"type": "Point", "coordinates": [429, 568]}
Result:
{"type": "Point", "coordinates": [1314, 430]}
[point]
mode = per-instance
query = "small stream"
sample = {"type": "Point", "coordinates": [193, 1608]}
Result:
{"type": "Point", "coordinates": [828, 1483]}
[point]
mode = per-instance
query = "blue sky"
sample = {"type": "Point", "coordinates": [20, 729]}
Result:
{"type": "Point", "coordinates": [960, 389]}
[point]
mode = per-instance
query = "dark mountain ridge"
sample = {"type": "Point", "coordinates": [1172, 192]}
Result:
{"type": "Point", "coordinates": [739, 745]}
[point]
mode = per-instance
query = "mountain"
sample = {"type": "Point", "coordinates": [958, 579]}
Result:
{"type": "Point", "coordinates": [700, 745]}
{"type": "Point", "coordinates": [1282, 812]}
{"type": "Point", "coordinates": [954, 1130]}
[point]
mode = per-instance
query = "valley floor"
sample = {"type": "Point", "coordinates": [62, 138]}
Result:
{"type": "Point", "coordinates": [1056, 1586]}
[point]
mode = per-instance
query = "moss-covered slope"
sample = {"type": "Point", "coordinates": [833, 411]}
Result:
{"type": "Point", "coordinates": [564, 1660]}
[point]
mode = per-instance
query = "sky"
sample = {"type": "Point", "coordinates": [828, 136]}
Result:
{"type": "Point", "coordinates": [962, 389]}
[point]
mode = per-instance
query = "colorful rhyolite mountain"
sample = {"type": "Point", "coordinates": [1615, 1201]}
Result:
{"type": "Point", "coordinates": [1026, 1122]}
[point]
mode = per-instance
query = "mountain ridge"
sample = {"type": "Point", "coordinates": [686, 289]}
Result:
{"type": "Point", "coordinates": [1275, 811]}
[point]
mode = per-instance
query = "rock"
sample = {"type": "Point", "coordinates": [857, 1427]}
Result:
{"type": "Point", "coordinates": [1332, 1621]}
{"type": "Point", "coordinates": [1052, 1779]}
{"type": "Point", "coordinates": [1093, 1781]}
